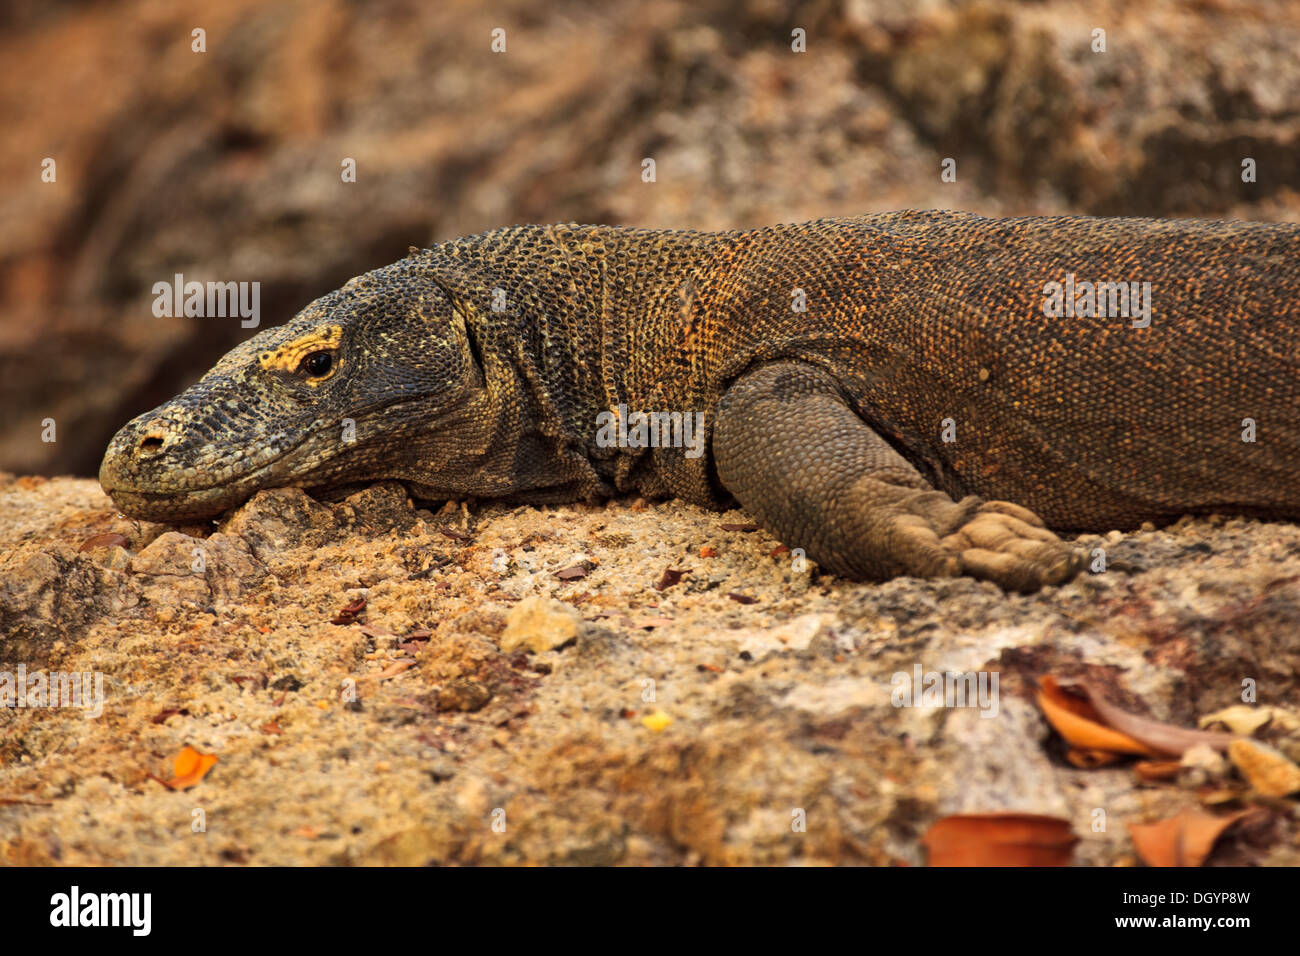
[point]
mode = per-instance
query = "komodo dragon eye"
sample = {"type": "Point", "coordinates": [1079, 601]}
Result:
{"type": "Point", "coordinates": [317, 364]}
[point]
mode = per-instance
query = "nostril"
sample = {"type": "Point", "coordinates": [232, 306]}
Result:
{"type": "Point", "coordinates": [150, 445]}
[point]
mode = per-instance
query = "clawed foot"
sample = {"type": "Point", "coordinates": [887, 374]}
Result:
{"type": "Point", "coordinates": [1008, 545]}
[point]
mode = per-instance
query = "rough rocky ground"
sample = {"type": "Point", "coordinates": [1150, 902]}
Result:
{"type": "Point", "coordinates": [678, 726]}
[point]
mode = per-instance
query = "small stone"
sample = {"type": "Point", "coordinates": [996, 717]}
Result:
{"type": "Point", "coordinates": [1267, 770]}
{"type": "Point", "coordinates": [540, 624]}
{"type": "Point", "coordinates": [463, 694]}
{"type": "Point", "coordinates": [1200, 765]}
{"type": "Point", "coordinates": [657, 721]}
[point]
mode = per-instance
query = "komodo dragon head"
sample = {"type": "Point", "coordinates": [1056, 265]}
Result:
{"type": "Point", "coordinates": [352, 389]}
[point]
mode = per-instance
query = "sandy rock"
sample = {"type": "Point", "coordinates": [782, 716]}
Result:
{"type": "Point", "coordinates": [281, 519]}
{"type": "Point", "coordinates": [540, 624]}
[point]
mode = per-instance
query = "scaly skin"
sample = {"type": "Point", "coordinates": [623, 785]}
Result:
{"type": "Point", "coordinates": [826, 423]}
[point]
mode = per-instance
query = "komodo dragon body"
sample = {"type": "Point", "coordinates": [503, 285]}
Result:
{"type": "Point", "coordinates": [904, 393]}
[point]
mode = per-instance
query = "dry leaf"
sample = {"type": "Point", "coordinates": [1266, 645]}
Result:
{"type": "Point", "coordinates": [188, 769]}
{"type": "Point", "coordinates": [1183, 840]}
{"type": "Point", "coordinates": [1244, 719]}
{"type": "Point", "coordinates": [1000, 839]}
{"type": "Point", "coordinates": [1078, 722]}
{"type": "Point", "coordinates": [1160, 737]}
{"type": "Point", "coordinates": [670, 577]}
{"type": "Point", "coordinates": [109, 539]}
{"type": "Point", "coordinates": [1154, 771]}
{"type": "Point", "coordinates": [348, 613]}
{"type": "Point", "coordinates": [1091, 722]}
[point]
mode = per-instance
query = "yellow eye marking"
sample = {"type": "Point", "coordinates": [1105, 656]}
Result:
{"type": "Point", "coordinates": [288, 356]}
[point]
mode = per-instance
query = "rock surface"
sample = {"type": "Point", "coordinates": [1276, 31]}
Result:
{"type": "Point", "coordinates": [699, 723]}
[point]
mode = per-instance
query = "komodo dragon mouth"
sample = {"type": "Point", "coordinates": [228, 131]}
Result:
{"type": "Point", "coordinates": [168, 497]}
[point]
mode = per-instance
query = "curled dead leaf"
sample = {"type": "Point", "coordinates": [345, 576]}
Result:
{"type": "Point", "coordinates": [670, 577]}
{"type": "Point", "coordinates": [1000, 839]}
{"type": "Point", "coordinates": [348, 613]}
{"type": "Point", "coordinates": [1246, 720]}
{"type": "Point", "coordinates": [1160, 737]}
{"type": "Point", "coordinates": [1078, 722]}
{"type": "Point", "coordinates": [1182, 840]}
{"type": "Point", "coordinates": [1088, 721]}
{"type": "Point", "coordinates": [189, 767]}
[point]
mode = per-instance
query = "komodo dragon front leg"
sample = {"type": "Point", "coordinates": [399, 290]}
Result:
{"type": "Point", "coordinates": [796, 456]}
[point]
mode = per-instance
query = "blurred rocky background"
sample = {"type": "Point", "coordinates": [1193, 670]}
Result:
{"type": "Point", "coordinates": [225, 165]}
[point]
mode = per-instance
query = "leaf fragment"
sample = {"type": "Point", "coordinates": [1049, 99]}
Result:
{"type": "Point", "coordinates": [1000, 839]}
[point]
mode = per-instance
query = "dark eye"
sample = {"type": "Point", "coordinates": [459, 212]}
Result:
{"type": "Point", "coordinates": [317, 364]}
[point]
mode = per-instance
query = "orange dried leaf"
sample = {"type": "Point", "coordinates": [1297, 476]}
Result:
{"type": "Point", "coordinates": [189, 768]}
{"type": "Point", "coordinates": [1182, 840]}
{"type": "Point", "coordinates": [1152, 771]}
{"type": "Point", "coordinates": [348, 613]}
{"type": "Point", "coordinates": [1000, 839]}
{"type": "Point", "coordinates": [1091, 759]}
{"type": "Point", "coordinates": [1078, 722]}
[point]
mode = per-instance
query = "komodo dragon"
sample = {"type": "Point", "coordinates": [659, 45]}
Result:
{"type": "Point", "coordinates": [903, 393]}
